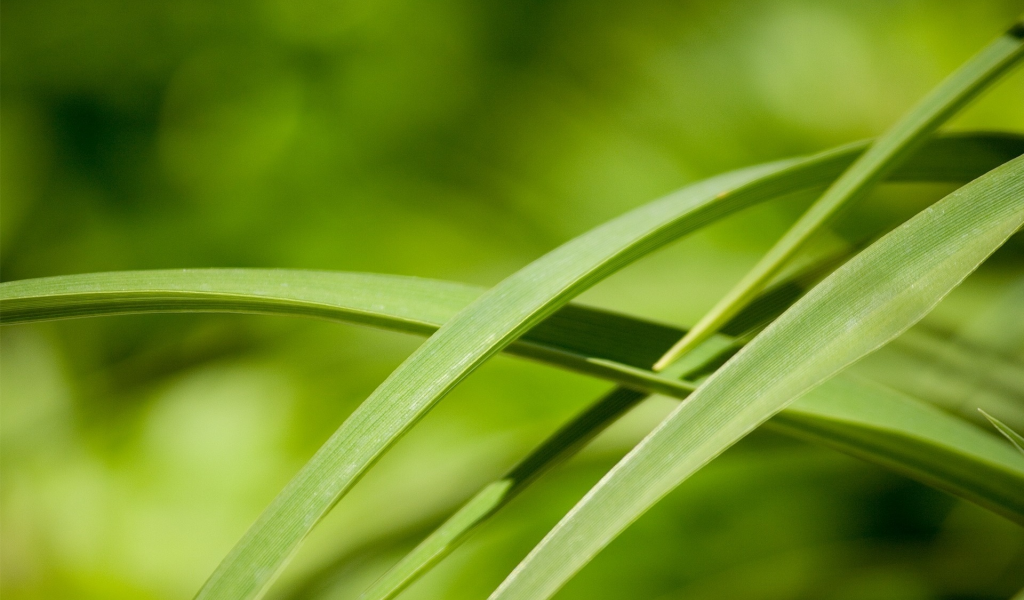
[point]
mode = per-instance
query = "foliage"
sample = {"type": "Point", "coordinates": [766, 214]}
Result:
{"type": "Point", "coordinates": [780, 354]}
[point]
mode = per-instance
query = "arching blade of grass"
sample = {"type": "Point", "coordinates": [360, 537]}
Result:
{"type": "Point", "coordinates": [587, 340]}
{"type": "Point", "coordinates": [867, 420]}
{"type": "Point", "coordinates": [492, 321]}
{"type": "Point", "coordinates": [1015, 438]}
{"type": "Point", "coordinates": [975, 470]}
{"type": "Point", "coordinates": [945, 158]}
{"type": "Point", "coordinates": [867, 302]}
{"type": "Point", "coordinates": [919, 443]}
{"type": "Point", "coordinates": [883, 155]}
{"type": "Point", "coordinates": [483, 328]}
{"type": "Point", "coordinates": [573, 436]}
{"type": "Point", "coordinates": [475, 334]}
{"type": "Point", "coordinates": [861, 419]}
{"type": "Point", "coordinates": [392, 302]}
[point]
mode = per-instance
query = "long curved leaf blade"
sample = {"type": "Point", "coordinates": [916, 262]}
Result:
{"type": "Point", "coordinates": [860, 307]}
{"type": "Point", "coordinates": [463, 343]}
{"type": "Point", "coordinates": [884, 154]}
{"type": "Point", "coordinates": [953, 158]}
{"type": "Point", "coordinates": [867, 420]}
{"type": "Point", "coordinates": [587, 340]}
{"type": "Point", "coordinates": [943, 160]}
{"type": "Point", "coordinates": [411, 304]}
{"type": "Point", "coordinates": [418, 305]}
{"type": "Point", "coordinates": [421, 306]}
{"type": "Point", "coordinates": [476, 333]}
{"type": "Point", "coordinates": [395, 302]}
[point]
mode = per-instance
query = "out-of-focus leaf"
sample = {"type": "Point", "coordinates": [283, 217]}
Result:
{"type": "Point", "coordinates": [869, 301]}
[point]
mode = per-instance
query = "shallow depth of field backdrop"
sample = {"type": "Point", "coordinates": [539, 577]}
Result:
{"type": "Point", "coordinates": [449, 139]}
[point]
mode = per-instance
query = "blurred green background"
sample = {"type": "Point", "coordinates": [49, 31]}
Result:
{"type": "Point", "coordinates": [457, 140]}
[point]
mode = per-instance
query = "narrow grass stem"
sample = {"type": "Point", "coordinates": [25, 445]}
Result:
{"type": "Point", "coordinates": [885, 154]}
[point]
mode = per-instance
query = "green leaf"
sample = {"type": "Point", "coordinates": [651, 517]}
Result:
{"type": "Point", "coordinates": [463, 343]}
{"type": "Point", "coordinates": [885, 154]}
{"type": "Point", "coordinates": [853, 416]}
{"type": "Point", "coordinates": [252, 566]}
{"type": "Point", "coordinates": [957, 373]}
{"type": "Point", "coordinates": [493, 496]}
{"type": "Point", "coordinates": [860, 307]}
{"type": "Point", "coordinates": [575, 434]}
{"type": "Point", "coordinates": [1015, 438]}
{"type": "Point", "coordinates": [587, 340]}
{"type": "Point", "coordinates": [911, 437]}
{"type": "Point", "coordinates": [421, 306]}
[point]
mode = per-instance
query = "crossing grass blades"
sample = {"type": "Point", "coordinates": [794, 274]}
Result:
{"type": "Point", "coordinates": [771, 353]}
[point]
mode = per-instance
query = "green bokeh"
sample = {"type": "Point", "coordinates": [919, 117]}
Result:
{"type": "Point", "coordinates": [456, 140]}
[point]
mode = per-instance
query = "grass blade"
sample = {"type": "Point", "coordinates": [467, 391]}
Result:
{"type": "Point", "coordinates": [887, 151]}
{"type": "Point", "coordinates": [586, 340]}
{"type": "Point", "coordinates": [475, 334]}
{"type": "Point", "coordinates": [492, 497]}
{"type": "Point", "coordinates": [573, 436]}
{"type": "Point", "coordinates": [421, 306]}
{"type": "Point", "coordinates": [860, 307]}
{"type": "Point", "coordinates": [858, 418]}
{"type": "Point", "coordinates": [251, 567]}
{"type": "Point", "coordinates": [867, 420]}
{"type": "Point", "coordinates": [1015, 438]}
